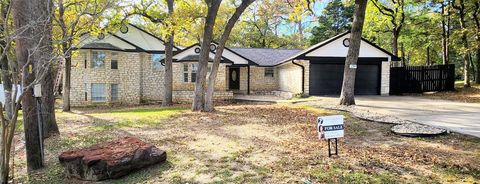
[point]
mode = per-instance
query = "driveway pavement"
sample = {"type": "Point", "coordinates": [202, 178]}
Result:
{"type": "Point", "coordinates": [454, 116]}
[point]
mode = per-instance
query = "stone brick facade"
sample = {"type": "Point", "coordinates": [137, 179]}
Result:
{"type": "Point", "coordinates": [137, 79]}
{"type": "Point", "coordinates": [127, 76]}
{"type": "Point", "coordinates": [385, 79]}
{"type": "Point", "coordinates": [259, 82]}
{"type": "Point", "coordinates": [290, 77]}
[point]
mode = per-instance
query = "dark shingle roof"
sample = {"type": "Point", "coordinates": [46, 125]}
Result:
{"type": "Point", "coordinates": [100, 46]}
{"type": "Point", "coordinates": [192, 58]}
{"type": "Point", "coordinates": [265, 56]}
{"type": "Point", "coordinates": [195, 58]}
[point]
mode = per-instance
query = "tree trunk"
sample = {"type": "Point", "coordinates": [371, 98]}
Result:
{"type": "Point", "coordinates": [347, 97]}
{"type": "Point", "coordinates": [444, 37]}
{"type": "Point", "coordinates": [404, 63]}
{"type": "Point", "coordinates": [209, 107]}
{"type": "Point", "coordinates": [67, 86]}
{"type": "Point", "coordinates": [47, 107]}
{"type": "Point", "coordinates": [24, 14]}
{"type": "Point", "coordinates": [200, 84]}
{"type": "Point", "coordinates": [477, 24]}
{"type": "Point", "coordinates": [45, 59]}
{"type": "Point", "coordinates": [7, 85]}
{"type": "Point", "coordinates": [477, 78]}
{"type": "Point", "coordinates": [395, 45]}
{"type": "Point", "coordinates": [428, 56]}
{"type": "Point", "coordinates": [168, 85]}
{"type": "Point", "coordinates": [466, 59]}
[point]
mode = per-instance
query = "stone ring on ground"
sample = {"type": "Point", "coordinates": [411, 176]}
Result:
{"type": "Point", "coordinates": [417, 130]}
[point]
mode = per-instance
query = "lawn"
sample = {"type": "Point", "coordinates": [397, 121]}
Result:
{"type": "Point", "coordinates": [469, 95]}
{"type": "Point", "coordinates": [260, 144]}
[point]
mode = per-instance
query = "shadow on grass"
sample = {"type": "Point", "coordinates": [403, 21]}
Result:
{"type": "Point", "coordinates": [143, 175]}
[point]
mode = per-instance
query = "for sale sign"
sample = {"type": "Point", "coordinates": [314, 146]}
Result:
{"type": "Point", "coordinates": [330, 127]}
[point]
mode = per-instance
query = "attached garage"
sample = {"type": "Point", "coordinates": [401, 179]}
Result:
{"type": "Point", "coordinates": [323, 65]}
{"type": "Point", "coordinates": [326, 77]}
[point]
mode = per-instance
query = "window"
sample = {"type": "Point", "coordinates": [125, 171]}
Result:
{"type": "Point", "coordinates": [268, 72]}
{"type": "Point", "coordinates": [98, 59]}
{"type": "Point", "coordinates": [157, 61]}
{"type": "Point", "coordinates": [114, 61]}
{"type": "Point", "coordinates": [98, 93]}
{"type": "Point", "coordinates": [185, 72]}
{"type": "Point", "coordinates": [114, 92]}
{"type": "Point", "coordinates": [194, 72]}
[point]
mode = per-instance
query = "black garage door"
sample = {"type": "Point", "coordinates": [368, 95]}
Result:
{"type": "Point", "coordinates": [326, 79]}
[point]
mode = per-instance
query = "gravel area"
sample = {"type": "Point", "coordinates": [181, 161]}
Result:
{"type": "Point", "coordinates": [417, 130]}
{"type": "Point", "coordinates": [361, 113]}
{"type": "Point", "coordinates": [402, 127]}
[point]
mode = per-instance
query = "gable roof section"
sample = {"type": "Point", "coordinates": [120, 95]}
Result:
{"type": "Point", "coordinates": [189, 54]}
{"type": "Point", "coordinates": [137, 39]}
{"type": "Point", "coordinates": [330, 50]}
{"type": "Point", "coordinates": [143, 39]}
{"type": "Point", "coordinates": [266, 56]}
{"type": "Point", "coordinates": [110, 42]}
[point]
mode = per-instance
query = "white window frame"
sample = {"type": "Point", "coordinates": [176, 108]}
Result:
{"type": "Point", "coordinates": [185, 72]}
{"type": "Point", "coordinates": [94, 63]}
{"type": "Point", "coordinates": [114, 96]}
{"type": "Point", "coordinates": [98, 96]}
{"type": "Point", "coordinates": [193, 72]}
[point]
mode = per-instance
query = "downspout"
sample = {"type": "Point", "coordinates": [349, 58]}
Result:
{"type": "Point", "coordinates": [248, 80]}
{"type": "Point", "coordinates": [303, 75]}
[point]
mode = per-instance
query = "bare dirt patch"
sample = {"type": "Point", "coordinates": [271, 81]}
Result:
{"type": "Point", "coordinates": [265, 144]}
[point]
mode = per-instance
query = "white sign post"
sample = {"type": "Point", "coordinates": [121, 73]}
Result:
{"type": "Point", "coordinates": [330, 127]}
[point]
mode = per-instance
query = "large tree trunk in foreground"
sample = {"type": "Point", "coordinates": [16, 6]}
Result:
{"type": "Point", "coordinates": [168, 85]}
{"type": "Point", "coordinates": [29, 13]}
{"type": "Point", "coordinates": [45, 60]}
{"type": "Point", "coordinates": [200, 84]}
{"type": "Point", "coordinates": [67, 85]}
{"type": "Point", "coordinates": [209, 107]}
{"type": "Point", "coordinates": [347, 97]}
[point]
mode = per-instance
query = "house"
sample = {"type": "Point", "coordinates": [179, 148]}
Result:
{"type": "Point", "coordinates": [126, 67]}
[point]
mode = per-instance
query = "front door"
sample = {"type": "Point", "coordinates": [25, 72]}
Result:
{"type": "Point", "coordinates": [234, 78]}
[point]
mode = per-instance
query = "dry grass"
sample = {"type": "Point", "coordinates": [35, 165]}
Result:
{"type": "Point", "coordinates": [468, 95]}
{"type": "Point", "coordinates": [262, 144]}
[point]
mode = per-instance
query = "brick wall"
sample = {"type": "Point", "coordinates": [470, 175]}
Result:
{"type": "Point", "coordinates": [180, 85]}
{"type": "Point", "coordinates": [187, 96]}
{"type": "Point", "coordinates": [136, 77]}
{"type": "Point", "coordinates": [127, 77]}
{"type": "Point", "coordinates": [385, 79]}
{"type": "Point", "coordinates": [290, 77]}
{"type": "Point", "coordinates": [152, 80]}
{"type": "Point", "coordinates": [259, 82]}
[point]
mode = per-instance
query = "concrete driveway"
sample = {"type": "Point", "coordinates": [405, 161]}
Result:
{"type": "Point", "coordinates": [454, 116]}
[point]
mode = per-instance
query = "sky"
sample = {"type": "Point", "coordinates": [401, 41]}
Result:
{"type": "Point", "coordinates": [310, 21]}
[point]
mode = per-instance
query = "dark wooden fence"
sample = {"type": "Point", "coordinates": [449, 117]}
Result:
{"type": "Point", "coordinates": [418, 79]}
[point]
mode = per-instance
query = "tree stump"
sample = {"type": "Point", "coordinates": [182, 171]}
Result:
{"type": "Point", "coordinates": [110, 160]}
